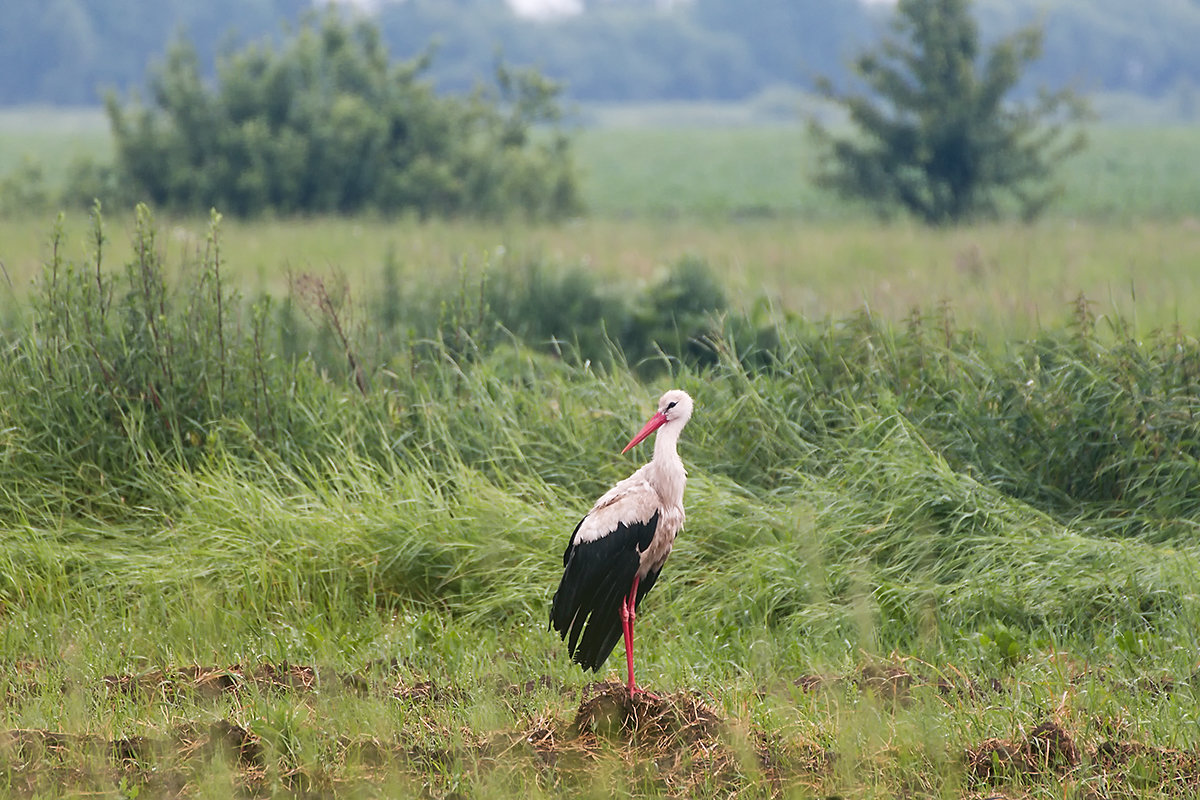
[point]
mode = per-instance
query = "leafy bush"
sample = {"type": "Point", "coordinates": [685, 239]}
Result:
{"type": "Point", "coordinates": [328, 124]}
{"type": "Point", "coordinates": [89, 180]}
{"type": "Point", "coordinates": [24, 189]}
{"type": "Point", "coordinates": [569, 311]}
{"type": "Point", "coordinates": [677, 317]}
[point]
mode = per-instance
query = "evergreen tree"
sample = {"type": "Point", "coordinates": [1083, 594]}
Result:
{"type": "Point", "coordinates": [935, 133]}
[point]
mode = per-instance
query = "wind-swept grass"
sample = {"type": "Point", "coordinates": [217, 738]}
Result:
{"type": "Point", "coordinates": [919, 453]}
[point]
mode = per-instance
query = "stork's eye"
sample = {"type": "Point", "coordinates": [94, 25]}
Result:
{"type": "Point", "coordinates": [670, 405]}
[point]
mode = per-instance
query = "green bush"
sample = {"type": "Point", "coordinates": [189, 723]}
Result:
{"type": "Point", "coordinates": [676, 318]}
{"type": "Point", "coordinates": [328, 124]}
{"type": "Point", "coordinates": [89, 180]}
{"type": "Point", "coordinates": [24, 189]}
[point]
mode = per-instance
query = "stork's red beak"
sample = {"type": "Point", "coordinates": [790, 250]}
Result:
{"type": "Point", "coordinates": [654, 424]}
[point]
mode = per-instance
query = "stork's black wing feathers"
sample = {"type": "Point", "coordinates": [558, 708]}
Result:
{"type": "Point", "coordinates": [597, 575]}
{"type": "Point", "coordinates": [571, 543]}
{"type": "Point", "coordinates": [605, 647]}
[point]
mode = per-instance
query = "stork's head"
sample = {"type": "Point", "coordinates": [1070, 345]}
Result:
{"type": "Point", "coordinates": [674, 407]}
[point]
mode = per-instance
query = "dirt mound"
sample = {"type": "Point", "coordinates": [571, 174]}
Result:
{"type": "Point", "coordinates": [1160, 769]}
{"type": "Point", "coordinates": [889, 681]}
{"type": "Point", "coordinates": [895, 681]}
{"type": "Point", "coordinates": [39, 762]}
{"type": "Point", "coordinates": [1049, 750]}
{"type": "Point", "coordinates": [676, 741]}
{"type": "Point", "coordinates": [212, 681]}
{"type": "Point", "coordinates": [657, 722]}
{"type": "Point", "coordinates": [425, 692]}
{"type": "Point", "coordinates": [1046, 749]}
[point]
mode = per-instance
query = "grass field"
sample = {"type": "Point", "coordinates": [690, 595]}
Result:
{"type": "Point", "coordinates": [949, 553]}
{"type": "Point", "coordinates": [1126, 172]}
{"type": "Point", "coordinates": [1002, 279]}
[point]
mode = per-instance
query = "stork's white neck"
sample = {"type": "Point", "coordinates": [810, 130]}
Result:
{"type": "Point", "coordinates": [666, 472]}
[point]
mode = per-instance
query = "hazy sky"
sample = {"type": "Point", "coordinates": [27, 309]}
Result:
{"type": "Point", "coordinates": [543, 8]}
{"type": "Point", "coordinates": [546, 8]}
{"type": "Point", "coordinates": [554, 8]}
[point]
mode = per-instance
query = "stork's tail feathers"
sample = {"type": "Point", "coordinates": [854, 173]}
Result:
{"type": "Point", "coordinates": [586, 611]}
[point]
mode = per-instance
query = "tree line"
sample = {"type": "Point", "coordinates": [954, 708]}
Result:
{"type": "Point", "coordinates": [328, 122]}
{"type": "Point", "coordinates": [72, 51]}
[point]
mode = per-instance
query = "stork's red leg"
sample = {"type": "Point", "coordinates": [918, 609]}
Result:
{"type": "Point", "coordinates": [628, 614]}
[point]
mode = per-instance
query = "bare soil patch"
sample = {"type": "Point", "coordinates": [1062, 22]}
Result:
{"type": "Point", "coordinates": [1047, 749]}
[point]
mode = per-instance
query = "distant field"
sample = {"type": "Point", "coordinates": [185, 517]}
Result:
{"type": "Point", "coordinates": [1125, 173]}
{"type": "Point", "coordinates": [1004, 279]}
{"type": "Point", "coordinates": [719, 162]}
{"type": "Point", "coordinates": [717, 172]}
{"type": "Point", "coordinates": [738, 197]}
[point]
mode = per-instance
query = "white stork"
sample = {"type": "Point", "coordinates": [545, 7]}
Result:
{"type": "Point", "coordinates": [618, 549]}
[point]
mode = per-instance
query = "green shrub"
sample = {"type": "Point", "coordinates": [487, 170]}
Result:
{"type": "Point", "coordinates": [24, 190]}
{"type": "Point", "coordinates": [559, 310]}
{"type": "Point", "coordinates": [328, 124]}
{"type": "Point", "coordinates": [88, 180]}
{"type": "Point", "coordinates": [678, 316]}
